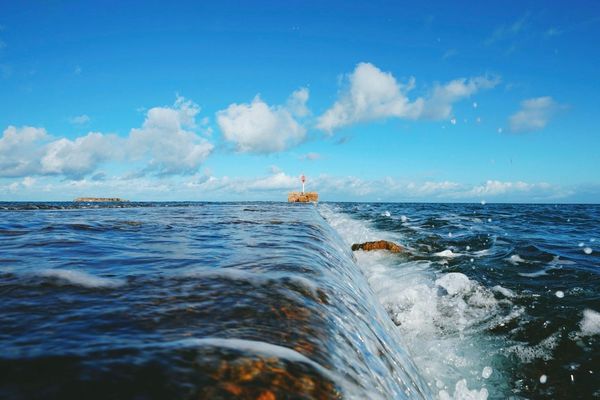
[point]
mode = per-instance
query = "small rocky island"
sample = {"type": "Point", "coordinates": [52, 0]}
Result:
{"type": "Point", "coordinates": [303, 197]}
{"type": "Point", "coordinates": [99, 200]}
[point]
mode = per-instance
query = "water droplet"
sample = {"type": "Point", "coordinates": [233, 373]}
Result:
{"type": "Point", "coordinates": [483, 202]}
{"type": "Point", "coordinates": [560, 294]}
{"type": "Point", "coordinates": [468, 248]}
{"type": "Point", "coordinates": [543, 379]}
{"type": "Point", "coordinates": [587, 250]}
{"type": "Point", "coordinates": [580, 244]}
{"type": "Point", "coordinates": [489, 220]}
{"type": "Point", "coordinates": [487, 372]}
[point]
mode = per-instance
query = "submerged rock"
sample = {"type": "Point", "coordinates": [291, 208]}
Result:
{"type": "Point", "coordinates": [378, 245]}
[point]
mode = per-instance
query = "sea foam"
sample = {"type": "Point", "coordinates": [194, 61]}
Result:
{"type": "Point", "coordinates": [590, 324]}
{"type": "Point", "coordinates": [433, 312]}
{"type": "Point", "coordinates": [79, 278]}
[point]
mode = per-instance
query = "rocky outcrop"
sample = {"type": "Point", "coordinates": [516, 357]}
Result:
{"type": "Point", "coordinates": [378, 245]}
{"type": "Point", "coordinates": [306, 197]}
{"type": "Point", "coordinates": [99, 199]}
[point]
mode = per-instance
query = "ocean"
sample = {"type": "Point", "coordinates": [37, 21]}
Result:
{"type": "Point", "coordinates": [267, 301]}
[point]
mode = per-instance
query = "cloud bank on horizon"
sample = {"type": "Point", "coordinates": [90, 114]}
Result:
{"type": "Point", "coordinates": [435, 134]}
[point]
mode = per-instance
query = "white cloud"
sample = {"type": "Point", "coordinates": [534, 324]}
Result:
{"type": "Point", "coordinates": [166, 144]}
{"type": "Point", "coordinates": [373, 94]}
{"type": "Point", "coordinates": [79, 119]}
{"type": "Point", "coordinates": [28, 181]}
{"type": "Point", "coordinates": [495, 188]}
{"type": "Point", "coordinates": [167, 140]}
{"type": "Point", "coordinates": [439, 104]}
{"type": "Point", "coordinates": [20, 150]}
{"type": "Point", "coordinates": [277, 181]}
{"type": "Point", "coordinates": [79, 157]}
{"type": "Point", "coordinates": [534, 114]}
{"type": "Point", "coordinates": [274, 186]}
{"type": "Point", "coordinates": [260, 128]}
{"type": "Point", "coordinates": [508, 31]}
{"type": "Point", "coordinates": [296, 103]}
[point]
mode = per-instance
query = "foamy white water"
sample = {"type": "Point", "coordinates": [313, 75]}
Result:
{"type": "Point", "coordinates": [80, 278]}
{"type": "Point", "coordinates": [439, 315]}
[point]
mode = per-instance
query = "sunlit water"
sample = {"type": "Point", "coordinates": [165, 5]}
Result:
{"type": "Point", "coordinates": [254, 300]}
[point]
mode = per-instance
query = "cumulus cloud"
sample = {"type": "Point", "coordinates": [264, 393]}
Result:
{"type": "Point", "coordinates": [534, 114]}
{"type": "Point", "coordinates": [79, 119]}
{"type": "Point", "coordinates": [296, 103]}
{"type": "Point", "coordinates": [166, 144]}
{"type": "Point", "coordinates": [20, 150]}
{"type": "Point", "coordinates": [373, 94]}
{"type": "Point", "coordinates": [79, 157]}
{"type": "Point", "coordinates": [439, 104]}
{"type": "Point", "coordinates": [257, 127]}
{"type": "Point", "coordinates": [167, 139]}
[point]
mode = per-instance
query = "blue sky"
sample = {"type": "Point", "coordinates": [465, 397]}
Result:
{"type": "Point", "coordinates": [375, 101]}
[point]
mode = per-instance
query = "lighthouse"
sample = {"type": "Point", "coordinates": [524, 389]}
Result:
{"type": "Point", "coordinates": [303, 197]}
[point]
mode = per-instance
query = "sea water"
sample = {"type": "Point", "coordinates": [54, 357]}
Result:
{"type": "Point", "coordinates": [266, 300]}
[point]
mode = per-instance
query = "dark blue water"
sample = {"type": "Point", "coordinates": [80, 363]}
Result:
{"type": "Point", "coordinates": [501, 297]}
{"type": "Point", "coordinates": [265, 300]}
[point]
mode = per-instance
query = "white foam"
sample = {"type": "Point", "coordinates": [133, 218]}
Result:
{"type": "Point", "coordinates": [535, 274]}
{"type": "Point", "coordinates": [515, 259]}
{"type": "Point", "coordinates": [446, 254]}
{"type": "Point", "coordinates": [455, 283]}
{"type": "Point", "coordinates": [542, 350]}
{"type": "Point", "coordinates": [462, 392]}
{"type": "Point", "coordinates": [487, 372]}
{"type": "Point", "coordinates": [560, 294]}
{"type": "Point", "coordinates": [80, 278]}
{"type": "Point", "coordinates": [439, 316]}
{"type": "Point", "coordinates": [587, 250]}
{"type": "Point", "coordinates": [504, 291]}
{"type": "Point", "coordinates": [590, 324]}
{"type": "Point", "coordinates": [543, 379]}
{"type": "Point", "coordinates": [386, 214]}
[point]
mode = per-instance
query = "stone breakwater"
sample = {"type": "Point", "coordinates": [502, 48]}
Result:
{"type": "Point", "coordinates": [306, 197]}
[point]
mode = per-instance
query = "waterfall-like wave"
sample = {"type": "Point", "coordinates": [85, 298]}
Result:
{"type": "Point", "coordinates": [191, 301]}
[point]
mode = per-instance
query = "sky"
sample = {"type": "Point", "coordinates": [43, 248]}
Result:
{"type": "Point", "coordinates": [371, 101]}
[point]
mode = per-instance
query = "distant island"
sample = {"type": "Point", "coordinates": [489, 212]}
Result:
{"type": "Point", "coordinates": [303, 197]}
{"type": "Point", "coordinates": [99, 199]}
